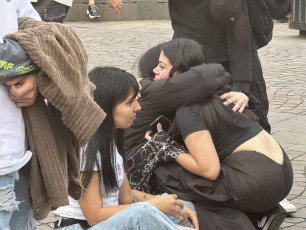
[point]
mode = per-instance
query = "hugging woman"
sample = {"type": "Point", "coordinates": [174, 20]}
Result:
{"type": "Point", "coordinates": [234, 172]}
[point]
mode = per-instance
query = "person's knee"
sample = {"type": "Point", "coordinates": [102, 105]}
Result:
{"type": "Point", "coordinates": [144, 208]}
{"type": "Point", "coordinates": [7, 194]}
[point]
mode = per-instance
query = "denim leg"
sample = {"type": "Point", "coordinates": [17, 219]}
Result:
{"type": "Point", "coordinates": [8, 203]}
{"type": "Point", "coordinates": [139, 216]}
{"type": "Point", "coordinates": [23, 217]}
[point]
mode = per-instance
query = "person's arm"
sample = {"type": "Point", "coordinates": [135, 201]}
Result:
{"type": "Point", "coordinates": [166, 95]}
{"type": "Point", "coordinates": [92, 205]}
{"type": "Point", "coordinates": [14, 61]}
{"type": "Point", "coordinates": [203, 158]}
{"type": "Point", "coordinates": [166, 204]}
{"type": "Point", "coordinates": [91, 202]}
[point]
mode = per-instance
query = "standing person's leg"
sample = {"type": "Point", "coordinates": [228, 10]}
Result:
{"type": "Point", "coordinates": [144, 216]}
{"type": "Point", "coordinates": [24, 215]}
{"type": "Point", "coordinates": [259, 91]}
{"type": "Point", "coordinates": [8, 203]}
{"type": "Point", "coordinates": [92, 9]}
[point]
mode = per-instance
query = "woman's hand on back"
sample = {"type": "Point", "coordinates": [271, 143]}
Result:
{"type": "Point", "coordinates": [238, 98]}
{"type": "Point", "coordinates": [169, 205]}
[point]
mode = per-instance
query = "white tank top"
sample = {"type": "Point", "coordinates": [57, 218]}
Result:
{"type": "Point", "coordinates": [73, 210]}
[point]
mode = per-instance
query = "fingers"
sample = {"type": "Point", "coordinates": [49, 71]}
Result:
{"type": "Point", "coordinates": [239, 106]}
{"type": "Point", "coordinates": [148, 135]}
{"type": "Point", "coordinates": [178, 213]}
{"type": "Point", "coordinates": [194, 219]}
{"type": "Point", "coordinates": [240, 100]}
{"type": "Point", "coordinates": [23, 90]}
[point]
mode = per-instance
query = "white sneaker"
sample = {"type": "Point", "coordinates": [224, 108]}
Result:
{"type": "Point", "coordinates": [288, 206]}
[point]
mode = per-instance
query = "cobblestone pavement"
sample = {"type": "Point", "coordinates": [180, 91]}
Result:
{"type": "Point", "coordinates": [283, 61]}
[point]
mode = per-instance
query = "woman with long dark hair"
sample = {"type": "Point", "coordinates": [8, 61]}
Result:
{"type": "Point", "coordinates": [231, 161]}
{"type": "Point", "coordinates": [108, 200]}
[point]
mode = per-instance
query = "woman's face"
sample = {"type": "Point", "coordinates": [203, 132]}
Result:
{"type": "Point", "coordinates": [162, 70]}
{"type": "Point", "coordinates": [124, 113]}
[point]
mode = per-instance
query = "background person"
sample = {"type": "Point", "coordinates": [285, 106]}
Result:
{"type": "Point", "coordinates": [193, 19]}
{"type": "Point", "coordinates": [92, 9]}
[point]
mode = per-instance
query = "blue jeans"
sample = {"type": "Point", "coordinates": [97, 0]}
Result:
{"type": "Point", "coordinates": [15, 210]}
{"type": "Point", "coordinates": [139, 216]}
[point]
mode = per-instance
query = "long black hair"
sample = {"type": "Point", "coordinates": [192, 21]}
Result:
{"type": "Point", "coordinates": [214, 113]}
{"type": "Point", "coordinates": [183, 53]}
{"type": "Point", "coordinates": [113, 87]}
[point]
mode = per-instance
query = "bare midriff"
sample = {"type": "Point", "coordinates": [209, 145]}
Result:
{"type": "Point", "coordinates": [263, 143]}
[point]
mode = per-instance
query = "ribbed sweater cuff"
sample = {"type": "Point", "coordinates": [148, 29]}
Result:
{"type": "Point", "coordinates": [83, 118]}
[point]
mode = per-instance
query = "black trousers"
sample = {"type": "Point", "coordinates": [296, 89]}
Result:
{"type": "Point", "coordinates": [50, 10]}
{"type": "Point", "coordinates": [254, 182]}
{"type": "Point", "coordinates": [258, 89]}
{"type": "Point", "coordinates": [249, 182]}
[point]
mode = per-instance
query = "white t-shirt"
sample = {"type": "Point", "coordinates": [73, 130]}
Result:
{"type": "Point", "coordinates": [73, 210]}
{"type": "Point", "coordinates": [13, 143]}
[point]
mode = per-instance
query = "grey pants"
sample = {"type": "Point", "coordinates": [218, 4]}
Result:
{"type": "Point", "coordinates": [50, 10]}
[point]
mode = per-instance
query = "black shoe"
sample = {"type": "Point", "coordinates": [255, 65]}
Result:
{"type": "Point", "coordinates": [273, 220]}
{"type": "Point", "coordinates": [92, 11]}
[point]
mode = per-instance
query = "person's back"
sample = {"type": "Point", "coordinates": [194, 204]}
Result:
{"type": "Point", "coordinates": [231, 132]}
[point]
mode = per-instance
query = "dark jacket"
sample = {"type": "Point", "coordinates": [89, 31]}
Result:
{"type": "Point", "coordinates": [192, 19]}
{"type": "Point", "coordinates": [163, 97]}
